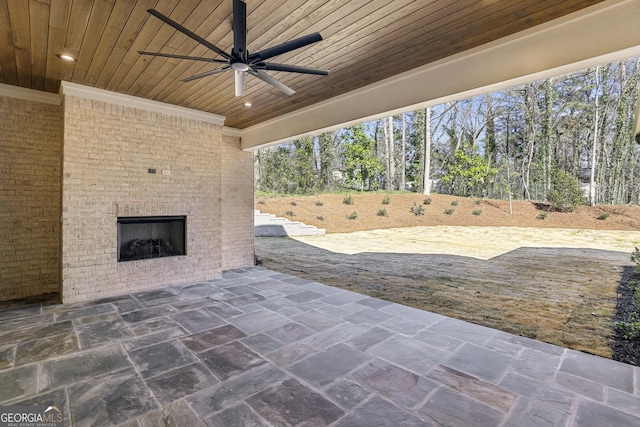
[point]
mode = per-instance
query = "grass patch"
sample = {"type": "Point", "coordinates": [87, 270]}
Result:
{"type": "Point", "coordinates": [353, 215]}
{"type": "Point", "coordinates": [320, 218]}
{"type": "Point", "coordinates": [382, 212]}
{"type": "Point", "coordinates": [449, 211]}
{"type": "Point", "coordinates": [454, 203]}
{"type": "Point", "coordinates": [477, 212]}
{"type": "Point", "coordinates": [427, 201]}
{"type": "Point", "coordinates": [289, 213]}
{"type": "Point", "coordinates": [319, 203]}
{"type": "Point", "coordinates": [603, 216]}
{"type": "Point", "coordinates": [541, 216]}
{"type": "Point", "coordinates": [386, 200]}
{"type": "Point", "coordinates": [347, 200]}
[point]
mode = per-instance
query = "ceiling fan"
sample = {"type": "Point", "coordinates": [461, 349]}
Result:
{"type": "Point", "coordinates": [239, 60]}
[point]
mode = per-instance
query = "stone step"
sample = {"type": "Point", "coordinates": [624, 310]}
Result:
{"type": "Point", "coordinates": [269, 225]}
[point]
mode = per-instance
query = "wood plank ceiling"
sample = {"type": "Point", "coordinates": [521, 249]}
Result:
{"type": "Point", "coordinates": [364, 41]}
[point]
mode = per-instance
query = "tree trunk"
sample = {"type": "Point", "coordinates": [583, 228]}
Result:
{"type": "Point", "coordinates": [385, 129]}
{"type": "Point", "coordinates": [490, 147]}
{"type": "Point", "coordinates": [547, 139]}
{"type": "Point", "coordinates": [426, 181]}
{"type": "Point", "coordinates": [391, 173]}
{"type": "Point", "coordinates": [596, 119]}
{"type": "Point", "coordinates": [327, 154]}
{"type": "Point", "coordinates": [530, 137]}
{"type": "Point", "coordinates": [402, 164]}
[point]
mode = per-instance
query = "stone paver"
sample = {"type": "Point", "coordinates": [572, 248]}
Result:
{"type": "Point", "coordinates": [260, 348]}
{"type": "Point", "coordinates": [597, 369]}
{"type": "Point", "coordinates": [447, 407]}
{"type": "Point", "coordinates": [303, 405]}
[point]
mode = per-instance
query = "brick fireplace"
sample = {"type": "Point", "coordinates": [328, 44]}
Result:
{"type": "Point", "coordinates": [125, 157]}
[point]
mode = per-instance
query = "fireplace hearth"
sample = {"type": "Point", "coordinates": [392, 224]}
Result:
{"type": "Point", "coordinates": [151, 237]}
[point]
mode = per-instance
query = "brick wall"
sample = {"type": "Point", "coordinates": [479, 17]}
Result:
{"type": "Point", "coordinates": [30, 161]}
{"type": "Point", "coordinates": [237, 204]}
{"type": "Point", "coordinates": [88, 161]}
{"type": "Point", "coordinates": [108, 150]}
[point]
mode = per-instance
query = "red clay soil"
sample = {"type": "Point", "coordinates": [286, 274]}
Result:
{"type": "Point", "coordinates": [329, 212]}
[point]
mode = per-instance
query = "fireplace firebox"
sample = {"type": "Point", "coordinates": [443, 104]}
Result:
{"type": "Point", "coordinates": [151, 237]}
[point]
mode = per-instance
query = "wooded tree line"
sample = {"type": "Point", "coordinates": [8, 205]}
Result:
{"type": "Point", "coordinates": [504, 144]}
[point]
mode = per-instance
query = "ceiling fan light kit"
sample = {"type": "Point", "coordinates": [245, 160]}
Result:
{"type": "Point", "coordinates": [239, 60]}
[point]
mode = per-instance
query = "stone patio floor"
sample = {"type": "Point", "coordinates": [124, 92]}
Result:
{"type": "Point", "coordinates": [260, 348]}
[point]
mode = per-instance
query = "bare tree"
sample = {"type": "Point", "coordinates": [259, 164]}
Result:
{"type": "Point", "coordinates": [389, 153]}
{"type": "Point", "coordinates": [403, 154]}
{"type": "Point", "coordinates": [426, 177]}
{"type": "Point", "coordinates": [596, 120]}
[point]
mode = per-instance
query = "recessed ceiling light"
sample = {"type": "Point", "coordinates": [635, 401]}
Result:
{"type": "Point", "coordinates": [66, 57]}
{"type": "Point", "coordinates": [248, 104]}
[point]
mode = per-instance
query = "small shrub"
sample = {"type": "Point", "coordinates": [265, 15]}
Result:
{"type": "Point", "coordinates": [382, 212]}
{"type": "Point", "coordinates": [319, 203]}
{"type": "Point", "coordinates": [352, 215]}
{"type": "Point", "coordinates": [478, 202]}
{"type": "Point", "coordinates": [542, 215]}
{"type": "Point", "coordinates": [629, 330]}
{"type": "Point", "coordinates": [454, 203]}
{"type": "Point", "coordinates": [635, 287]}
{"type": "Point", "coordinates": [427, 201]}
{"type": "Point", "coordinates": [635, 258]}
{"type": "Point", "coordinates": [348, 200]}
{"type": "Point", "coordinates": [320, 218]}
{"type": "Point", "coordinates": [449, 211]}
{"type": "Point", "coordinates": [603, 216]}
{"type": "Point", "coordinates": [417, 210]}
{"type": "Point", "coordinates": [386, 200]}
{"type": "Point", "coordinates": [477, 212]}
{"type": "Point", "coordinates": [293, 204]}
{"type": "Point", "coordinates": [261, 202]}
{"type": "Point", "coordinates": [289, 213]}
{"type": "Point", "coordinates": [565, 194]}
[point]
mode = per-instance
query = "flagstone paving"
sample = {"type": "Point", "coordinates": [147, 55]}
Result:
{"type": "Point", "coordinates": [260, 348]}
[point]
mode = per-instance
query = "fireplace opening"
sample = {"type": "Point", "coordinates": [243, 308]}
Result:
{"type": "Point", "coordinates": [150, 237]}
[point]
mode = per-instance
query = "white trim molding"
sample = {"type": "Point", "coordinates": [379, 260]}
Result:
{"type": "Point", "coordinates": [231, 131]}
{"type": "Point", "coordinates": [29, 94]}
{"type": "Point", "coordinates": [605, 32]}
{"type": "Point", "coordinates": [81, 91]}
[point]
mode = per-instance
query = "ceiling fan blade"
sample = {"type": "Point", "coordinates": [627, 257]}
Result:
{"type": "Point", "coordinates": [273, 82]}
{"type": "Point", "coordinates": [239, 83]}
{"type": "Point", "coordinates": [193, 58]}
{"type": "Point", "coordinates": [188, 33]}
{"type": "Point", "coordinates": [205, 74]}
{"type": "Point", "coordinates": [269, 66]}
{"type": "Point", "coordinates": [239, 30]}
{"type": "Point", "coordinates": [285, 47]}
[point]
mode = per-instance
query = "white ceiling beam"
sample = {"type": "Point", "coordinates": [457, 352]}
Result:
{"type": "Point", "coordinates": [605, 32]}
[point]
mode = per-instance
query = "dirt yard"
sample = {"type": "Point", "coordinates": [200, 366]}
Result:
{"type": "Point", "coordinates": [554, 279]}
{"type": "Point", "coordinates": [328, 211]}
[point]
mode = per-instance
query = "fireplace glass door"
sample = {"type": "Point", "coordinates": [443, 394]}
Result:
{"type": "Point", "coordinates": [151, 237]}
